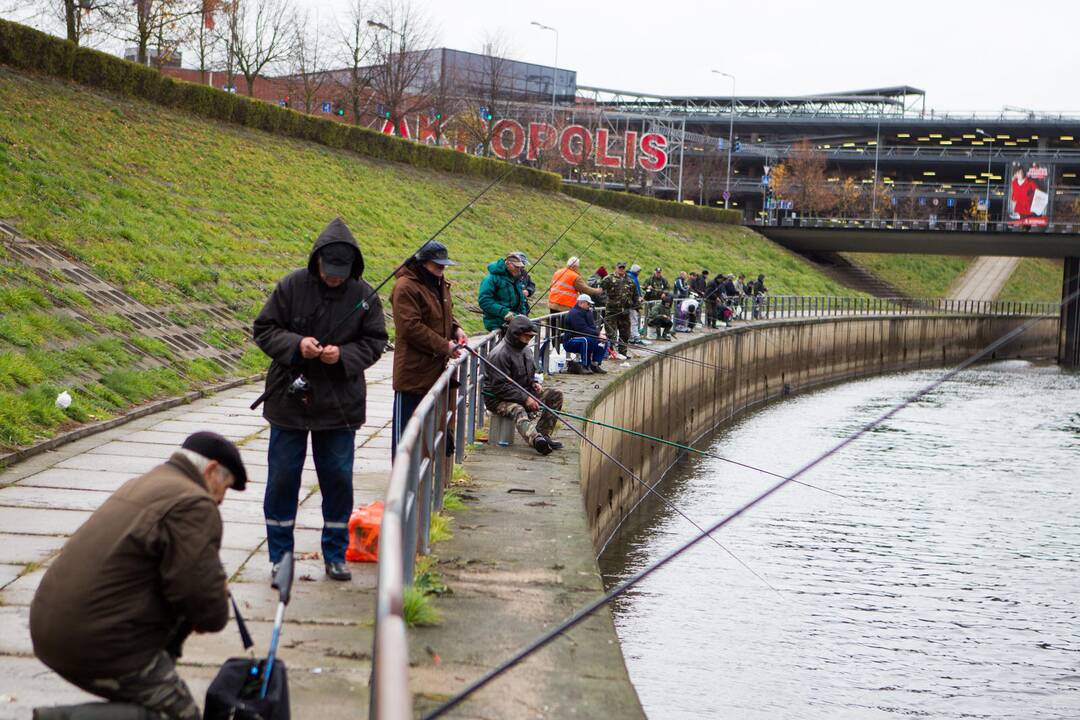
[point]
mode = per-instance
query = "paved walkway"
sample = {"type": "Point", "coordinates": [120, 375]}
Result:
{"type": "Point", "coordinates": [327, 640]}
{"type": "Point", "coordinates": [984, 278]}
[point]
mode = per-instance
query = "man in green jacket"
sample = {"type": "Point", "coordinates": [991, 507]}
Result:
{"type": "Point", "coordinates": [500, 296]}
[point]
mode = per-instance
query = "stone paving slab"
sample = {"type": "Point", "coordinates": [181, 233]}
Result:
{"type": "Point", "coordinates": [328, 634]}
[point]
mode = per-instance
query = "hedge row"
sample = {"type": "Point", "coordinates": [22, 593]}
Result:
{"type": "Point", "coordinates": [651, 206]}
{"type": "Point", "coordinates": [29, 49]}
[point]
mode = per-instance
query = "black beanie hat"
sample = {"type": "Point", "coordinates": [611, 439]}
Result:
{"type": "Point", "coordinates": [215, 447]}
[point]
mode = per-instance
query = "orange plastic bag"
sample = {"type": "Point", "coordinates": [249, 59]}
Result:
{"type": "Point", "coordinates": [364, 533]}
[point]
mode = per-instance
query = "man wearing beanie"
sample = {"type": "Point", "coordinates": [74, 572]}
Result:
{"type": "Point", "coordinates": [141, 574]}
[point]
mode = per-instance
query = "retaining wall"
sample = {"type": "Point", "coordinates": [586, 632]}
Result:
{"type": "Point", "coordinates": [681, 401]}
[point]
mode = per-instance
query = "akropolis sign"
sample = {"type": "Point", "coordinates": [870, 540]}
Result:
{"type": "Point", "coordinates": [574, 143]}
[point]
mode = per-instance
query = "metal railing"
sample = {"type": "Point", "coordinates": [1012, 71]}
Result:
{"type": "Point", "coordinates": [454, 407]}
{"type": "Point", "coordinates": [1064, 228]}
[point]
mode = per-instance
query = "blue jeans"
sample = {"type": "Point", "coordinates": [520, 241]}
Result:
{"type": "Point", "coordinates": [333, 453]}
{"type": "Point", "coordinates": [405, 405]}
{"type": "Point", "coordinates": [591, 350]}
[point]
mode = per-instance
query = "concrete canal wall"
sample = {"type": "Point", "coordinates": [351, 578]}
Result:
{"type": "Point", "coordinates": [681, 401]}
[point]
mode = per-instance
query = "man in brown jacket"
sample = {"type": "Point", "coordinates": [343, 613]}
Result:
{"type": "Point", "coordinates": [426, 335]}
{"type": "Point", "coordinates": [139, 575]}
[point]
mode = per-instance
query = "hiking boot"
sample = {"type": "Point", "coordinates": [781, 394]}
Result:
{"type": "Point", "coordinates": [338, 571]}
{"type": "Point", "coordinates": [554, 444]}
{"type": "Point", "coordinates": [574, 367]}
{"type": "Point", "coordinates": [541, 445]}
{"type": "Point", "coordinates": [597, 370]}
{"type": "Point", "coordinates": [586, 370]}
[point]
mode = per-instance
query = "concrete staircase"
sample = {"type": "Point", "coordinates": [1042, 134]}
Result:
{"type": "Point", "coordinates": [839, 268]}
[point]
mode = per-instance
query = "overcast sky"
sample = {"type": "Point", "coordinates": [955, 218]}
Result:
{"type": "Point", "coordinates": [966, 55]}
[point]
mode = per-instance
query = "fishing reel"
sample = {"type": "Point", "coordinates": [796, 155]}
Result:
{"type": "Point", "coordinates": [300, 388]}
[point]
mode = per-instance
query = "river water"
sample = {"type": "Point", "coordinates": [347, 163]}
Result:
{"type": "Point", "coordinates": [945, 585]}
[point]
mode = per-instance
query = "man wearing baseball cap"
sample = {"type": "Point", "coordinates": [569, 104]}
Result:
{"type": "Point", "coordinates": [136, 578]}
{"type": "Point", "coordinates": [427, 336]}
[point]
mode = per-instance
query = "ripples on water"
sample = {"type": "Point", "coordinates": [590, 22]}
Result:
{"type": "Point", "coordinates": [946, 587]}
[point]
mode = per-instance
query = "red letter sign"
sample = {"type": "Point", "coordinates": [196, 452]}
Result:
{"type": "Point", "coordinates": [403, 128]}
{"type": "Point", "coordinates": [428, 131]}
{"type": "Point", "coordinates": [498, 139]}
{"type": "Point", "coordinates": [630, 161]}
{"type": "Point", "coordinates": [653, 156]}
{"type": "Point", "coordinates": [566, 149]}
{"type": "Point", "coordinates": [602, 157]}
{"type": "Point", "coordinates": [542, 137]}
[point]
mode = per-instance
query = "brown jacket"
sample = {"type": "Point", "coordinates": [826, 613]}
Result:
{"type": "Point", "coordinates": [143, 562]}
{"type": "Point", "coordinates": [423, 325]}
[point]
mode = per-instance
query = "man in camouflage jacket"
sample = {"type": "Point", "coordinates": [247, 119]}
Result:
{"type": "Point", "coordinates": [621, 297]}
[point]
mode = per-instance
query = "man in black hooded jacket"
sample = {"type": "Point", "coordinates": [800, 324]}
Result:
{"type": "Point", "coordinates": [320, 343]}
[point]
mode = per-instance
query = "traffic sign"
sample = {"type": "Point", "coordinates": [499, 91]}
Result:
{"type": "Point", "coordinates": [727, 195]}
{"type": "Point", "coordinates": [327, 107]}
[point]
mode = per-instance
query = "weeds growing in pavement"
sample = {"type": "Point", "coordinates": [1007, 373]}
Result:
{"type": "Point", "coordinates": [440, 528]}
{"type": "Point", "coordinates": [452, 501]}
{"type": "Point", "coordinates": [418, 610]}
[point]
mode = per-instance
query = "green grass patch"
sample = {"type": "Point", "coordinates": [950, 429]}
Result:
{"type": "Point", "coordinates": [1034, 280]}
{"type": "Point", "coordinates": [452, 501]}
{"type": "Point", "coordinates": [440, 528]}
{"type": "Point", "coordinates": [920, 276]}
{"type": "Point", "coordinates": [418, 609]}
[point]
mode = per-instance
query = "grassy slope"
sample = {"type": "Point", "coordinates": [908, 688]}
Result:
{"type": "Point", "coordinates": [927, 276]}
{"type": "Point", "coordinates": [1036, 280]}
{"type": "Point", "coordinates": [177, 211]}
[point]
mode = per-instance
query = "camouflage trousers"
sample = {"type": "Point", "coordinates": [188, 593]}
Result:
{"type": "Point", "coordinates": [527, 424]}
{"type": "Point", "coordinates": [617, 327]}
{"type": "Point", "coordinates": [155, 687]}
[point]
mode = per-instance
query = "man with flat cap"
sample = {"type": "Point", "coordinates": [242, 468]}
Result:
{"type": "Point", "coordinates": [322, 327]}
{"type": "Point", "coordinates": [135, 579]}
{"type": "Point", "coordinates": [426, 334]}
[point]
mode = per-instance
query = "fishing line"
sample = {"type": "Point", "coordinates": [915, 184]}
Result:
{"type": "Point", "coordinates": [561, 236]}
{"type": "Point", "coordinates": [628, 471]}
{"type": "Point", "coordinates": [622, 587]}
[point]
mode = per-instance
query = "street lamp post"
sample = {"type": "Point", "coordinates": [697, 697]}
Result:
{"type": "Point", "coordinates": [989, 174]}
{"type": "Point", "coordinates": [730, 138]}
{"type": "Point", "coordinates": [873, 190]}
{"type": "Point", "coordinates": [554, 68]}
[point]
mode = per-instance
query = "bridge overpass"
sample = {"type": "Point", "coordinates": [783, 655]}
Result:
{"type": "Point", "coordinates": [921, 237]}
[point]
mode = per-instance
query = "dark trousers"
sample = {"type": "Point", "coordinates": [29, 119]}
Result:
{"type": "Point", "coordinates": [405, 405]}
{"type": "Point", "coordinates": [333, 452]}
{"type": "Point", "coordinates": [591, 350]}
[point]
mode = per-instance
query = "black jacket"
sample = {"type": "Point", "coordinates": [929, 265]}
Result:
{"type": "Point", "coordinates": [514, 359]}
{"type": "Point", "coordinates": [302, 305]}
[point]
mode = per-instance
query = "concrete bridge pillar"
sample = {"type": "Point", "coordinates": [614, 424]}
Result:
{"type": "Point", "coordinates": [1069, 354]}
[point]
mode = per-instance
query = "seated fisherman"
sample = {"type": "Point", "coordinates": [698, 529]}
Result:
{"type": "Point", "coordinates": [660, 317]}
{"type": "Point", "coordinates": [513, 371]}
{"type": "Point", "coordinates": [581, 336]}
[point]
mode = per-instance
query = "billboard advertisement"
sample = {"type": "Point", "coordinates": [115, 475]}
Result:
{"type": "Point", "coordinates": [1029, 194]}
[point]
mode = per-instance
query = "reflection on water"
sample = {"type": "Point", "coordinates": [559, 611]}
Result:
{"type": "Point", "coordinates": [947, 585]}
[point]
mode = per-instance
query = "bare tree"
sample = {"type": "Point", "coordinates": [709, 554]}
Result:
{"type": "Point", "coordinates": [205, 41]}
{"type": "Point", "coordinates": [404, 76]}
{"type": "Point", "coordinates": [356, 51]}
{"type": "Point", "coordinates": [257, 35]}
{"type": "Point", "coordinates": [486, 89]}
{"type": "Point", "coordinates": [161, 23]}
{"type": "Point", "coordinates": [307, 61]}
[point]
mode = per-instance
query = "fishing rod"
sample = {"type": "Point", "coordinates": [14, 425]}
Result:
{"type": "Point", "coordinates": [561, 236]}
{"type": "Point", "coordinates": [582, 252]}
{"type": "Point", "coordinates": [628, 471]}
{"type": "Point", "coordinates": [575, 619]}
{"type": "Point", "coordinates": [691, 448]}
{"type": "Point", "coordinates": [300, 383]}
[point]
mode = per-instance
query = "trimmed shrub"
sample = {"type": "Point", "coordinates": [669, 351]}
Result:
{"type": "Point", "coordinates": [651, 206]}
